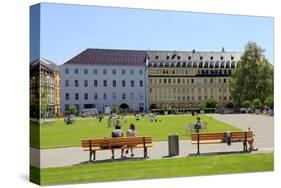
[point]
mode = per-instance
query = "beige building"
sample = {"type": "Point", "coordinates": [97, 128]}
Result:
{"type": "Point", "coordinates": [184, 80]}
{"type": "Point", "coordinates": [44, 80]}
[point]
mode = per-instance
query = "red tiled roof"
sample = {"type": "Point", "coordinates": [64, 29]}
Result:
{"type": "Point", "coordinates": [109, 57]}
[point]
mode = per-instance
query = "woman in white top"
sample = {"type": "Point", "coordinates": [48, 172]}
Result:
{"type": "Point", "coordinates": [131, 133]}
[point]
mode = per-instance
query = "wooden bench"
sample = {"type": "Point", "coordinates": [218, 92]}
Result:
{"type": "Point", "coordinates": [220, 137]}
{"type": "Point", "coordinates": [94, 145]}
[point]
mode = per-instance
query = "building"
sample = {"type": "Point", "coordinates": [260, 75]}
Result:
{"type": "Point", "coordinates": [44, 78]}
{"type": "Point", "coordinates": [100, 78]}
{"type": "Point", "coordinates": [184, 80]}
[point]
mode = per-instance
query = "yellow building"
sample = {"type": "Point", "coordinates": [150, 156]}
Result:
{"type": "Point", "coordinates": [44, 78]}
{"type": "Point", "coordinates": [183, 80]}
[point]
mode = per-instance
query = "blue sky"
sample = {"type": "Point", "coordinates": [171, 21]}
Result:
{"type": "Point", "coordinates": [66, 30]}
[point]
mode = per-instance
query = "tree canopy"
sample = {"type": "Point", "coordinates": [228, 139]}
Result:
{"type": "Point", "coordinates": [253, 77]}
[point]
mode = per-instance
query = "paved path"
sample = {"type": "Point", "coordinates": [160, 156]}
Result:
{"type": "Point", "coordinates": [261, 125]}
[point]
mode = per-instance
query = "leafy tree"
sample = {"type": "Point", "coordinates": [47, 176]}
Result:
{"type": "Point", "coordinates": [43, 102]}
{"type": "Point", "coordinates": [253, 77]}
{"type": "Point", "coordinates": [257, 103]}
{"type": "Point", "coordinates": [211, 103]}
{"type": "Point", "coordinates": [246, 104]}
{"type": "Point", "coordinates": [269, 102]}
{"type": "Point", "coordinates": [114, 109]}
{"type": "Point", "coordinates": [72, 109]}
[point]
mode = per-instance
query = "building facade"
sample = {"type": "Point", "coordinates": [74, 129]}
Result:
{"type": "Point", "coordinates": [183, 80]}
{"type": "Point", "coordinates": [45, 86]}
{"type": "Point", "coordinates": [99, 78]}
{"type": "Point", "coordinates": [142, 80]}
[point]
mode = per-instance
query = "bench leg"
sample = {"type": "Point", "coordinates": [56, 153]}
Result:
{"type": "Point", "coordinates": [94, 155]}
{"type": "Point", "coordinates": [90, 157]}
{"type": "Point", "coordinates": [245, 147]}
{"type": "Point", "coordinates": [145, 152]}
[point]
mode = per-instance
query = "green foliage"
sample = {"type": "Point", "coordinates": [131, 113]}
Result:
{"type": "Point", "coordinates": [43, 101]}
{"type": "Point", "coordinates": [257, 103]}
{"type": "Point", "coordinates": [114, 109]}
{"type": "Point", "coordinates": [269, 102]}
{"type": "Point", "coordinates": [72, 109]}
{"type": "Point", "coordinates": [253, 77]}
{"type": "Point", "coordinates": [246, 104]}
{"type": "Point", "coordinates": [211, 103]}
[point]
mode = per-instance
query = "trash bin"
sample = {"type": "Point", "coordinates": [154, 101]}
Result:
{"type": "Point", "coordinates": [173, 141]}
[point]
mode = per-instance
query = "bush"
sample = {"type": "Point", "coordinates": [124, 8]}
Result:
{"type": "Point", "coordinates": [246, 104]}
{"type": "Point", "coordinates": [211, 103]}
{"type": "Point", "coordinates": [257, 103]}
{"type": "Point", "coordinates": [72, 109]}
{"type": "Point", "coordinates": [269, 102]}
{"type": "Point", "coordinates": [114, 109]}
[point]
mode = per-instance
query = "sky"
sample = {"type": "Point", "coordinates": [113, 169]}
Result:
{"type": "Point", "coordinates": [66, 30]}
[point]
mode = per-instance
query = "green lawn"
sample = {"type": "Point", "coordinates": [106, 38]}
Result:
{"type": "Point", "coordinates": [129, 170]}
{"type": "Point", "coordinates": [58, 134]}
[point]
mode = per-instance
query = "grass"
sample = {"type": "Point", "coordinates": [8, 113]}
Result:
{"type": "Point", "coordinates": [58, 134]}
{"type": "Point", "coordinates": [129, 170]}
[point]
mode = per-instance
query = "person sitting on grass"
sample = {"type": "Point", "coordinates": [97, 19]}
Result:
{"type": "Point", "coordinates": [117, 132]}
{"type": "Point", "coordinates": [131, 133]}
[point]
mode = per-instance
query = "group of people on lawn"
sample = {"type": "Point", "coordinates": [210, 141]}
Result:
{"type": "Point", "coordinates": [117, 132]}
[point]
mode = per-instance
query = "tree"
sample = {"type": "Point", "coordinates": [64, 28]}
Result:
{"type": "Point", "coordinates": [253, 77]}
{"type": "Point", "coordinates": [114, 109]}
{"type": "Point", "coordinates": [211, 103]}
{"type": "Point", "coordinates": [43, 102]}
{"type": "Point", "coordinates": [257, 103]}
{"type": "Point", "coordinates": [246, 104]}
{"type": "Point", "coordinates": [72, 109]}
{"type": "Point", "coordinates": [269, 102]}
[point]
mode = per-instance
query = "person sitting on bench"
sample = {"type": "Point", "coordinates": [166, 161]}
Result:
{"type": "Point", "coordinates": [117, 132]}
{"type": "Point", "coordinates": [131, 133]}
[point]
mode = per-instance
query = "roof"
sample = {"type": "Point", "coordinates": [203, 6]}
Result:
{"type": "Point", "coordinates": [109, 57]}
{"type": "Point", "coordinates": [45, 63]}
{"type": "Point", "coordinates": [193, 59]}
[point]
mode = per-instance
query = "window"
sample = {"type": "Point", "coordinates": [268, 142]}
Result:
{"type": "Point", "coordinates": [150, 90]}
{"type": "Point", "coordinates": [224, 80]}
{"type": "Point", "coordinates": [95, 83]}
{"type": "Point", "coordinates": [95, 71]}
{"type": "Point", "coordinates": [123, 83]}
{"type": "Point", "coordinates": [221, 57]}
{"type": "Point", "coordinates": [76, 96]}
{"type": "Point", "coordinates": [95, 96]}
{"type": "Point", "coordinates": [165, 80]}
{"type": "Point", "coordinates": [206, 97]}
{"type": "Point", "coordinates": [168, 57]}
{"type": "Point", "coordinates": [132, 83]}
{"type": "Point", "coordinates": [141, 83]}
{"type": "Point", "coordinates": [132, 96]}
{"type": "Point", "coordinates": [66, 71]}
{"type": "Point", "coordinates": [85, 71]}
{"type": "Point", "coordinates": [114, 71]}
{"type": "Point", "coordinates": [66, 83]}
{"type": "Point", "coordinates": [114, 96]}
{"type": "Point", "coordinates": [123, 71]}
{"type": "Point", "coordinates": [105, 83]}
{"type": "Point", "coordinates": [141, 72]}
{"type": "Point", "coordinates": [104, 96]}
{"type": "Point", "coordinates": [123, 96]}
{"type": "Point", "coordinates": [199, 90]}
{"type": "Point", "coordinates": [104, 71]}
{"type": "Point", "coordinates": [199, 98]}
{"type": "Point", "coordinates": [169, 80]}
{"type": "Point", "coordinates": [211, 80]}
{"type": "Point", "coordinates": [192, 81]}
{"type": "Point", "coordinates": [114, 83]}
{"type": "Point", "coordinates": [76, 83]}
{"type": "Point", "coordinates": [179, 81]}
{"type": "Point", "coordinates": [85, 83]}
{"type": "Point", "coordinates": [86, 96]}
{"type": "Point", "coordinates": [160, 81]}
{"type": "Point", "coordinates": [67, 96]}
{"type": "Point", "coordinates": [132, 71]}
{"type": "Point", "coordinates": [76, 71]}
{"type": "Point", "coordinates": [150, 81]}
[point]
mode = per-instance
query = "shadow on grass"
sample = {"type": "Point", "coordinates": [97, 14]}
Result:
{"type": "Point", "coordinates": [218, 153]}
{"type": "Point", "coordinates": [111, 160]}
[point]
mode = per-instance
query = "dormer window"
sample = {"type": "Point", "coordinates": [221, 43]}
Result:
{"type": "Point", "coordinates": [211, 57]}
{"type": "Point", "coordinates": [157, 57]}
{"type": "Point", "coordinates": [179, 57]}
{"type": "Point", "coordinates": [201, 57]}
{"type": "Point", "coordinates": [189, 57]}
{"type": "Point", "coordinates": [221, 57]}
{"type": "Point", "coordinates": [232, 57]}
{"type": "Point", "coordinates": [168, 57]}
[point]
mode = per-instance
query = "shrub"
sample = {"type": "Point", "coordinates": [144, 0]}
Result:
{"type": "Point", "coordinates": [72, 109]}
{"type": "Point", "coordinates": [246, 104]}
{"type": "Point", "coordinates": [269, 102]}
{"type": "Point", "coordinates": [211, 103]}
{"type": "Point", "coordinates": [257, 103]}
